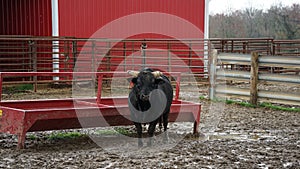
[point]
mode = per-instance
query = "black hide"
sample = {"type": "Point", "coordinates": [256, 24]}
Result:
{"type": "Point", "coordinates": [149, 102]}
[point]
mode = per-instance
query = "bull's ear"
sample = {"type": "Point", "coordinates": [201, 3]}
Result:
{"type": "Point", "coordinates": [132, 80]}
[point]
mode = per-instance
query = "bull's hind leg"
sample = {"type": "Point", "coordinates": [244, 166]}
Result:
{"type": "Point", "coordinates": [139, 132]}
{"type": "Point", "coordinates": [165, 122]}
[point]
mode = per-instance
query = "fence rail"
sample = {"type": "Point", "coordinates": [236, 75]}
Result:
{"type": "Point", "coordinates": [251, 92]}
{"type": "Point", "coordinates": [191, 57]}
{"type": "Point", "coordinates": [61, 54]}
{"type": "Point", "coordinates": [28, 53]}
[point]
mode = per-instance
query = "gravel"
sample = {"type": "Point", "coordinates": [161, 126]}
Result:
{"type": "Point", "coordinates": [231, 136]}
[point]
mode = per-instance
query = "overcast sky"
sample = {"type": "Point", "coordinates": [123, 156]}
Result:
{"type": "Point", "coordinates": [223, 6]}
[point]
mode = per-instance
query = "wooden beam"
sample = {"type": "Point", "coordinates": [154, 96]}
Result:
{"type": "Point", "coordinates": [254, 78]}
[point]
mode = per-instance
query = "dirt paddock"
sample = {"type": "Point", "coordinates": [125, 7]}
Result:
{"type": "Point", "coordinates": [242, 138]}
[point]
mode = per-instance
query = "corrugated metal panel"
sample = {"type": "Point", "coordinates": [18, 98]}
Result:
{"type": "Point", "coordinates": [81, 18]}
{"type": "Point", "coordinates": [25, 17]}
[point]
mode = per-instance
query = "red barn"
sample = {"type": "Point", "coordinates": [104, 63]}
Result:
{"type": "Point", "coordinates": [113, 19]}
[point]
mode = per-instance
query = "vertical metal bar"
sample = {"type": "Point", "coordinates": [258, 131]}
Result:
{"type": "Point", "coordinates": [132, 51]}
{"type": "Point", "coordinates": [108, 65]}
{"type": "Point", "coordinates": [66, 55]}
{"type": "Point", "coordinates": [99, 90]}
{"type": "Point", "coordinates": [93, 56]}
{"type": "Point", "coordinates": [206, 57]}
{"type": "Point", "coordinates": [124, 54]}
{"type": "Point", "coordinates": [178, 79]}
{"type": "Point", "coordinates": [93, 61]}
{"type": "Point", "coordinates": [23, 58]}
{"type": "Point", "coordinates": [74, 53]}
{"type": "Point", "coordinates": [222, 45]}
{"type": "Point", "coordinates": [143, 49]}
{"type": "Point", "coordinates": [190, 59]}
{"type": "Point", "coordinates": [212, 74]}
{"type": "Point", "coordinates": [169, 57]}
{"type": "Point", "coordinates": [30, 55]}
{"type": "Point", "coordinates": [274, 49]}
{"type": "Point", "coordinates": [244, 47]}
{"type": "Point", "coordinates": [34, 52]}
{"type": "Point", "coordinates": [232, 46]}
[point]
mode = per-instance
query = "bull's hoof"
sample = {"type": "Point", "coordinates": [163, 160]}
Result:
{"type": "Point", "coordinates": [166, 138]}
{"type": "Point", "coordinates": [140, 144]}
{"type": "Point", "coordinates": [150, 142]}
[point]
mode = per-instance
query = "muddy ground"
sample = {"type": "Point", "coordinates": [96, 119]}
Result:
{"type": "Point", "coordinates": [237, 137]}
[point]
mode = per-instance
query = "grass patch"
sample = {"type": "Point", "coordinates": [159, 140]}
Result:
{"type": "Point", "coordinates": [115, 131]}
{"type": "Point", "coordinates": [106, 132]}
{"type": "Point", "coordinates": [202, 97]}
{"type": "Point", "coordinates": [18, 88]}
{"type": "Point", "coordinates": [266, 105]}
{"type": "Point", "coordinates": [68, 135]}
{"type": "Point", "coordinates": [23, 87]}
{"type": "Point", "coordinates": [230, 101]}
{"type": "Point", "coordinates": [123, 131]}
{"type": "Point", "coordinates": [32, 137]}
{"type": "Point", "coordinates": [275, 107]}
{"type": "Point", "coordinates": [245, 104]}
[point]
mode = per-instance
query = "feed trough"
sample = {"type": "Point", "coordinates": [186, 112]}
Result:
{"type": "Point", "coordinates": [21, 116]}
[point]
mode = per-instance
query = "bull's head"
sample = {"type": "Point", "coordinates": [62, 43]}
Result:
{"type": "Point", "coordinates": [144, 82]}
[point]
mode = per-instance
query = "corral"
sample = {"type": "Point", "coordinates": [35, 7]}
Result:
{"type": "Point", "coordinates": [58, 71]}
{"type": "Point", "coordinates": [255, 137]}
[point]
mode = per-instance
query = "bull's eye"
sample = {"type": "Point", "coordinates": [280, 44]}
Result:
{"type": "Point", "coordinates": [138, 86]}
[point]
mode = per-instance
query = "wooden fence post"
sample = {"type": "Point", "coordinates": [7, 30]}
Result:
{"type": "Point", "coordinates": [254, 78]}
{"type": "Point", "coordinates": [212, 73]}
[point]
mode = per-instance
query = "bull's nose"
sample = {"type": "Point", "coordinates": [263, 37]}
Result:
{"type": "Point", "coordinates": [145, 97]}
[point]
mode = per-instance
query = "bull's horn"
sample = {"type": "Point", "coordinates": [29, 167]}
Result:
{"type": "Point", "coordinates": [157, 74]}
{"type": "Point", "coordinates": [133, 73]}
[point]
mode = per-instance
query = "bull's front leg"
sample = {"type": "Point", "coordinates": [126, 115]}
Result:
{"type": "Point", "coordinates": [151, 131]}
{"type": "Point", "coordinates": [139, 130]}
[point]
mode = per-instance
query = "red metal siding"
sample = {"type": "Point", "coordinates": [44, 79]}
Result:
{"type": "Point", "coordinates": [82, 18]}
{"type": "Point", "coordinates": [25, 17]}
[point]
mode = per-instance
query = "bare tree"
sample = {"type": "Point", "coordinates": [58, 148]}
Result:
{"type": "Point", "coordinates": [287, 21]}
{"type": "Point", "coordinates": [278, 22]}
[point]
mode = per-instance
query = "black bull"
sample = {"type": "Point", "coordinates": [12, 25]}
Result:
{"type": "Point", "coordinates": [149, 101]}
